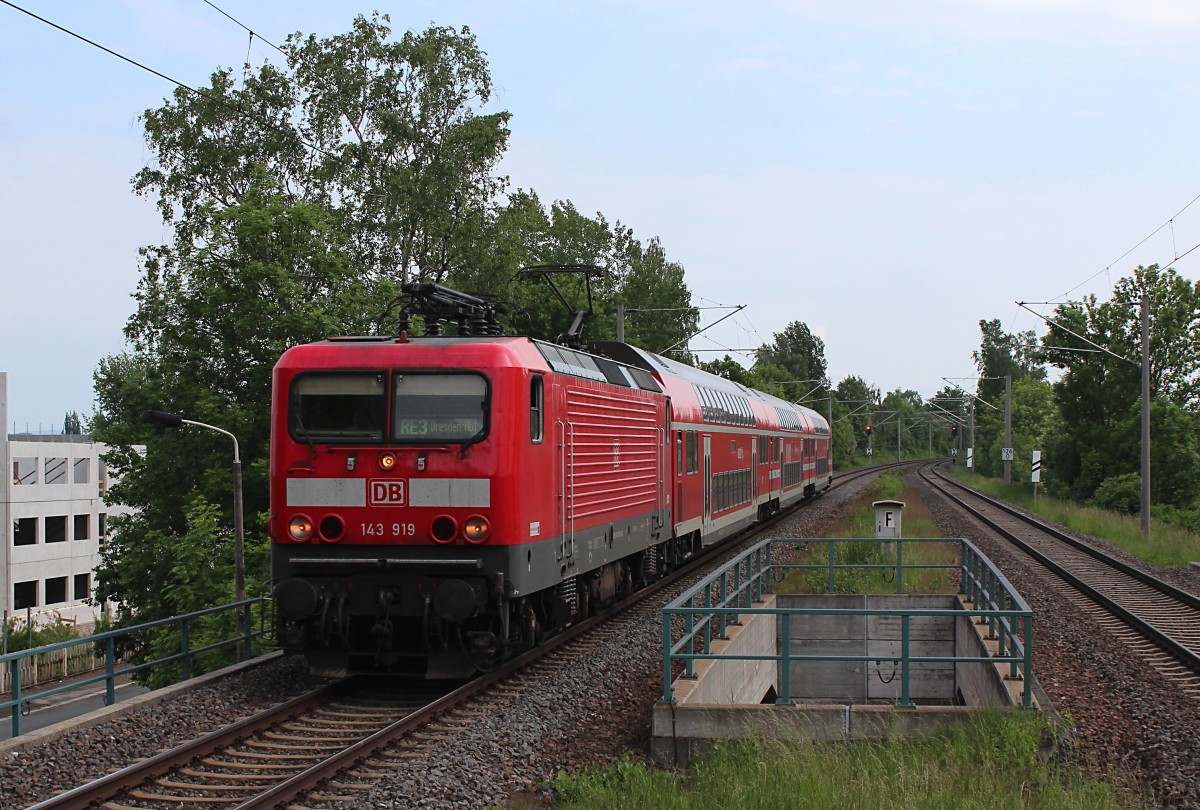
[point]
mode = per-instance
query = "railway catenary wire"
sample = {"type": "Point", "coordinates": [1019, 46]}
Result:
{"type": "Point", "coordinates": [1158, 621]}
{"type": "Point", "coordinates": [329, 746]}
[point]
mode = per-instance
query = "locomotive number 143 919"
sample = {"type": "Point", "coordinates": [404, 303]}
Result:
{"type": "Point", "coordinates": [381, 529]}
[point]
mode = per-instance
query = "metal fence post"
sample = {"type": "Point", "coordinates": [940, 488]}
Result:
{"type": "Point", "coordinates": [110, 669]}
{"type": "Point", "coordinates": [15, 669]}
{"type": "Point", "coordinates": [185, 643]}
{"type": "Point", "coordinates": [832, 586]}
{"type": "Point", "coordinates": [1027, 648]}
{"type": "Point", "coordinates": [666, 641]}
{"type": "Point", "coordinates": [785, 661]}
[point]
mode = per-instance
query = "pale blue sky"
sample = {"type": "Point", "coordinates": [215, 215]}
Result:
{"type": "Point", "coordinates": [888, 173]}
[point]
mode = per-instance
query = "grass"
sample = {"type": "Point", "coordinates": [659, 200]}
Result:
{"type": "Point", "coordinates": [990, 762]}
{"type": "Point", "coordinates": [860, 522]}
{"type": "Point", "coordinates": [1168, 546]}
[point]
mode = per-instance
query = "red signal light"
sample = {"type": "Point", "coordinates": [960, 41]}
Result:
{"type": "Point", "coordinates": [868, 429]}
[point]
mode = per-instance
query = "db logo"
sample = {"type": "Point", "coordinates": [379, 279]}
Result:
{"type": "Point", "coordinates": [386, 493]}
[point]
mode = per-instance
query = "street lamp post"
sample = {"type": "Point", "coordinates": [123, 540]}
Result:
{"type": "Point", "coordinates": [172, 420]}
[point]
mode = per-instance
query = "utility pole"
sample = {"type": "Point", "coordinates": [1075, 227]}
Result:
{"type": "Point", "coordinates": [897, 437]}
{"type": "Point", "coordinates": [620, 323]}
{"type": "Point", "coordinates": [1008, 428]}
{"type": "Point", "coordinates": [971, 439]}
{"type": "Point", "coordinates": [1145, 506]}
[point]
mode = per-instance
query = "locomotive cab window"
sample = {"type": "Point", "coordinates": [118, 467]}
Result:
{"type": "Point", "coordinates": [537, 408]}
{"type": "Point", "coordinates": [439, 407]}
{"type": "Point", "coordinates": [338, 407]}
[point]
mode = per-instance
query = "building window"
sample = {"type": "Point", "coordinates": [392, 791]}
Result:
{"type": "Point", "coordinates": [25, 531]}
{"type": "Point", "coordinates": [81, 527]}
{"type": "Point", "coordinates": [25, 471]}
{"type": "Point", "coordinates": [83, 467]}
{"type": "Point", "coordinates": [102, 531]}
{"type": "Point", "coordinates": [56, 528]}
{"type": "Point", "coordinates": [537, 409]}
{"type": "Point", "coordinates": [25, 594]}
{"type": "Point", "coordinates": [56, 590]}
{"type": "Point", "coordinates": [83, 587]}
{"type": "Point", "coordinates": [55, 471]}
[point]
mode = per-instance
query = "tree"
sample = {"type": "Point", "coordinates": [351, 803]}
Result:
{"type": "Point", "coordinates": [72, 424]}
{"type": "Point", "coordinates": [853, 399]}
{"type": "Point", "coordinates": [792, 366]}
{"type": "Point", "coordinates": [387, 134]}
{"type": "Point", "coordinates": [1002, 353]}
{"type": "Point", "coordinates": [639, 275]}
{"type": "Point", "coordinates": [1099, 396]}
{"type": "Point", "coordinates": [730, 369]}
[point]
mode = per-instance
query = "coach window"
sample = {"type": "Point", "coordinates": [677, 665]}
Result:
{"type": "Point", "coordinates": [693, 453]}
{"type": "Point", "coordinates": [678, 453]}
{"type": "Point", "coordinates": [338, 407]}
{"type": "Point", "coordinates": [537, 408]}
{"type": "Point", "coordinates": [440, 407]}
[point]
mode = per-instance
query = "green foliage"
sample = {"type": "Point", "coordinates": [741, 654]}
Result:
{"type": "Point", "coordinates": [1099, 396]}
{"type": "Point", "coordinates": [27, 636]}
{"type": "Point", "coordinates": [72, 424]}
{"type": "Point", "coordinates": [793, 364]}
{"type": "Point", "coordinates": [986, 762]}
{"type": "Point", "coordinates": [640, 275]}
{"type": "Point", "coordinates": [1120, 493]}
{"type": "Point", "coordinates": [1173, 532]}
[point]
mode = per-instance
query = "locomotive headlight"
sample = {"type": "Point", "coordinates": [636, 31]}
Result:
{"type": "Point", "coordinates": [476, 529]}
{"type": "Point", "coordinates": [387, 461]}
{"type": "Point", "coordinates": [300, 528]}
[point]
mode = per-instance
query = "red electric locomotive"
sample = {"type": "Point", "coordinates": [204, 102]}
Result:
{"type": "Point", "coordinates": [438, 502]}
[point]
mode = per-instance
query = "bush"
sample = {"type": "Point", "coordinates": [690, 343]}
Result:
{"type": "Point", "coordinates": [1120, 493]}
{"type": "Point", "coordinates": [20, 638]}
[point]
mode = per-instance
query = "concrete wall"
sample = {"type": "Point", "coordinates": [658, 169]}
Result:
{"type": "Point", "coordinates": [735, 681]}
{"type": "Point", "coordinates": [869, 681]}
{"type": "Point", "coordinates": [982, 684]}
{"type": "Point", "coordinates": [702, 714]}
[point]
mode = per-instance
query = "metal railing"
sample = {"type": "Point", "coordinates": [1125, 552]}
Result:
{"type": "Point", "coordinates": [719, 600]}
{"type": "Point", "coordinates": [114, 668]}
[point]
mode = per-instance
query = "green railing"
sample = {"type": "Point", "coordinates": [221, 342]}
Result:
{"type": "Point", "coordinates": [259, 625]}
{"type": "Point", "coordinates": [707, 609]}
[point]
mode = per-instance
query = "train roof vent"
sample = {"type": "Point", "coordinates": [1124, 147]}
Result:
{"type": "Point", "coordinates": [644, 379]}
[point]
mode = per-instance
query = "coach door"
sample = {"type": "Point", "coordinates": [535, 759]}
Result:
{"type": "Point", "coordinates": [663, 466]}
{"type": "Point", "coordinates": [707, 479]}
{"type": "Point", "coordinates": [564, 481]}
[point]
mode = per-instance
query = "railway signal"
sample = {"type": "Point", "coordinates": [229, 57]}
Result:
{"type": "Point", "coordinates": [868, 430]}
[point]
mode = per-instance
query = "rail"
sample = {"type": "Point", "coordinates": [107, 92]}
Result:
{"type": "Point", "coordinates": [114, 668]}
{"type": "Point", "coordinates": [706, 610]}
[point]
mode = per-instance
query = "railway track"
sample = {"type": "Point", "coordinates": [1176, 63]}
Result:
{"type": "Point", "coordinates": [328, 747]}
{"type": "Point", "coordinates": [1159, 622]}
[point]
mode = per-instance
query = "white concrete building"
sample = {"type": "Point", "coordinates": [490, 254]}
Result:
{"type": "Point", "coordinates": [53, 522]}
